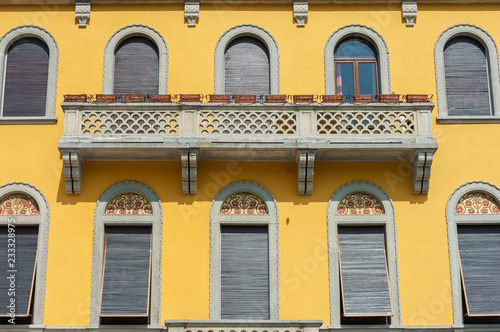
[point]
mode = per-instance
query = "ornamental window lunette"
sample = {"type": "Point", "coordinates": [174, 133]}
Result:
{"type": "Point", "coordinates": [477, 203]}
{"type": "Point", "coordinates": [243, 203]}
{"type": "Point", "coordinates": [129, 203]}
{"type": "Point", "coordinates": [19, 204]}
{"type": "Point", "coordinates": [360, 203]}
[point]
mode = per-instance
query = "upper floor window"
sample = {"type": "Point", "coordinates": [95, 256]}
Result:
{"type": "Point", "coordinates": [29, 74]}
{"type": "Point", "coordinates": [468, 84]}
{"type": "Point", "coordinates": [356, 70]}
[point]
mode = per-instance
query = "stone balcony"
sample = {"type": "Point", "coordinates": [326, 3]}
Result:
{"type": "Point", "coordinates": [300, 132]}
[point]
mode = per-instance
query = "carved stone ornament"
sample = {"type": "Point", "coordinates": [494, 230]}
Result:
{"type": "Point", "coordinates": [243, 203]}
{"type": "Point", "coordinates": [82, 13]}
{"type": "Point", "coordinates": [19, 204]}
{"type": "Point", "coordinates": [409, 12]}
{"type": "Point", "coordinates": [305, 171]}
{"type": "Point", "coordinates": [300, 12]}
{"type": "Point", "coordinates": [360, 203]}
{"type": "Point", "coordinates": [191, 12]}
{"type": "Point", "coordinates": [477, 203]}
{"type": "Point", "coordinates": [129, 203]}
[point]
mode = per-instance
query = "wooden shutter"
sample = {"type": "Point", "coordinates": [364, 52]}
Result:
{"type": "Point", "coordinates": [246, 67]}
{"type": "Point", "coordinates": [127, 266]}
{"type": "Point", "coordinates": [466, 74]}
{"type": "Point", "coordinates": [479, 248]}
{"type": "Point", "coordinates": [363, 271]}
{"type": "Point", "coordinates": [26, 76]}
{"type": "Point", "coordinates": [136, 67]}
{"type": "Point", "coordinates": [244, 272]}
{"type": "Point", "coordinates": [23, 270]}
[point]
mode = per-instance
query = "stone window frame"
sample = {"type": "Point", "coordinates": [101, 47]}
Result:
{"type": "Point", "coordinates": [452, 220]}
{"type": "Point", "coordinates": [217, 219]}
{"type": "Point", "coordinates": [42, 221]}
{"type": "Point", "coordinates": [101, 219]}
{"type": "Point", "coordinates": [363, 32]}
{"type": "Point", "coordinates": [13, 35]}
{"type": "Point", "coordinates": [491, 48]}
{"type": "Point", "coordinates": [247, 30]}
{"type": "Point", "coordinates": [388, 220]}
{"type": "Point", "coordinates": [135, 30]}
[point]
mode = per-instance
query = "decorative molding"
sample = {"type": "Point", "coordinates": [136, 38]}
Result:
{"type": "Point", "coordinates": [42, 220]}
{"type": "Point", "coordinates": [101, 219]}
{"type": "Point", "coordinates": [388, 219]}
{"type": "Point", "coordinates": [301, 12]}
{"type": "Point", "coordinates": [253, 31]}
{"type": "Point", "coordinates": [305, 171]}
{"type": "Point", "coordinates": [271, 219]}
{"type": "Point", "coordinates": [192, 12]}
{"type": "Point", "coordinates": [132, 31]}
{"type": "Point", "coordinates": [409, 12]}
{"type": "Point", "coordinates": [491, 48]}
{"type": "Point", "coordinates": [189, 163]}
{"type": "Point", "coordinates": [82, 13]}
{"type": "Point", "coordinates": [362, 31]}
{"type": "Point", "coordinates": [6, 41]}
{"type": "Point", "coordinates": [72, 163]}
{"type": "Point", "coordinates": [421, 169]}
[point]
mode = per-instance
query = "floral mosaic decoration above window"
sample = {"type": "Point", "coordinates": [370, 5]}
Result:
{"type": "Point", "coordinates": [129, 203]}
{"type": "Point", "coordinates": [477, 203]}
{"type": "Point", "coordinates": [360, 203]}
{"type": "Point", "coordinates": [243, 203]}
{"type": "Point", "coordinates": [19, 204]}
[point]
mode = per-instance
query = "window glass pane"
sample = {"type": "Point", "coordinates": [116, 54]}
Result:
{"type": "Point", "coordinates": [344, 78]}
{"type": "Point", "coordinates": [367, 78]}
{"type": "Point", "coordinates": [354, 48]}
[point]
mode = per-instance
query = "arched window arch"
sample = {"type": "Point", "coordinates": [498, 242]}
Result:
{"type": "Point", "coordinates": [24, 217]}
{"type": "Point", "coordinates": [361, 230]}
{"type": "Point", "coordinates": [473, 218]}
{"type": "Point", "coordinates": [358, 37]}
{"type": "Point", "coordinates": [127, 223]}
{"type": "Point", "coordinates": [244, 215]}
{"type": "Point", "coordinates": [256, 41]}
{"type": "Point", "coordinates": [143, 47]}
{"type": "Point", "coordinates": [28, 67]}
{"type": "Point", "coordinates": [468, 84]}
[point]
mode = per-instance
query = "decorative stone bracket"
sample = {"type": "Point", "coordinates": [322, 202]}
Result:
{"type": "Point", "coordinates": [305, 161]}
{"type": "Point", "coordinates": [421, 165]}
{"type": "Point", "coordinates": [82, 13]}
{"type": "Point", "coordinates": [72, 163]}
{"type": "Point", "coordinates": [409, 12]}
{"type": "Point", "coordinates": [189, 162]}
{"type": "Point", "coordinates": [191, 12]}
{"type": "Point", "coordinates": [300, 12]}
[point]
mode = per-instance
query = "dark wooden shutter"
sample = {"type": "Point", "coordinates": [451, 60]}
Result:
{"type": "Point", "coordinates": [136, 67]}
{"type": "Point", "coordinates": [479, 248]}
{"type": "Point", "coordinates": [247, 67]}
{"type": "Point", "coordinates": [26, 240]}
{"type": "Point", "coordinates": [466, 73]}
{"type": "Point", "coordinates": [126, 280]}
{"type": "Point", "coordinates": [26, 76]}
{"type": "Point", "coordinates": [244, 272]}
{"type": "Point", "coordinates": [363, 271]}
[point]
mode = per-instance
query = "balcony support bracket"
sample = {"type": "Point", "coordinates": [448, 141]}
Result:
{"type": "Point", "coordinates": [421, 165]}
{"type": "Point", "coordinates": [305, 162]}
{"type": "Point", "coordinates": [72, 162]}
{"type": "Point", "coordinates": [189, 162]}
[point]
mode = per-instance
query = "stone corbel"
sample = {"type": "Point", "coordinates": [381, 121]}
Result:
{"type": "Point", "coordinates": [189, 162]}
{"type": "Point", "coordinates": [300, 12]}
{"type": "Point", "coordinates": [72, 163]}
{"type": "Point", "coordinates": [191, 12]}
{"type": "Point", "coordinates": [305, 162]}
{"type": "Point", "coordinates": [82, 13]}
{"type": "Point", "coordinates": [409, 12]}
{"type": "Point", "coordinates": [421, 162]}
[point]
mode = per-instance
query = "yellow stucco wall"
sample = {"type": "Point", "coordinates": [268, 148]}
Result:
{"type": "Point", "coordinates": [29, 154]}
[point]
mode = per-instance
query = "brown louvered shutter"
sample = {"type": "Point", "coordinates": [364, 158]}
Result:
{"type": "Point", "coordinates": [136, 67]}
{"type": "Point", "coordinates": [26, 78]}
{"type": "Point", "coordinates": [466, 73]}
{"type": "Point", "coordinates": [246, 67]}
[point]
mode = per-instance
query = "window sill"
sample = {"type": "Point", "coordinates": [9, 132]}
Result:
{"type": "Point", "coordinates": [469, 119]}
{"type": "Point", "coordinates": [28, 119]}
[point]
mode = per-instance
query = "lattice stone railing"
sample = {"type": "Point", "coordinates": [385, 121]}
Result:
{"type": "Point", "coordinates": [243, 325]}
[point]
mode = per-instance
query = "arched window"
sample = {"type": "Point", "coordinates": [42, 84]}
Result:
{"type": "Point", "coordinates": [28, 68]}
{"type": "Point", "coordinates": [473, 217]}
{"type": "Point", "coordinates": [244, 253]}
{"type": "Point", "coordinates": [246, 67]}
{"type": "Point", "coordinates": [356, 70]}
{"type": "Point", "coordinates": [362, 233]}
{"type": "Point", "coordinates": [24, 219]}
{"type": "Point", "coordinates": [126, 266]}
{"type": "Point", "coordinates": [246, 61]}
{"type": "Point", "coordinates": [466, 58]}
